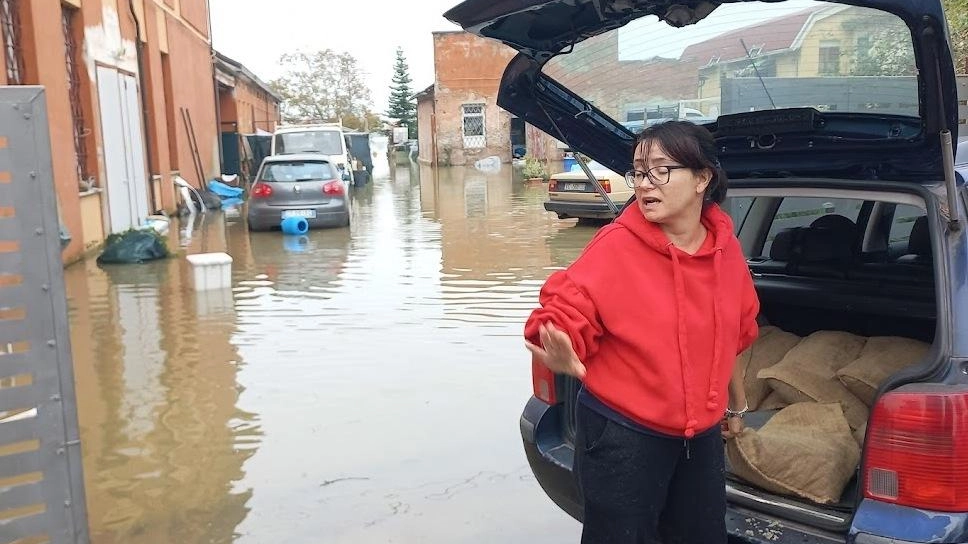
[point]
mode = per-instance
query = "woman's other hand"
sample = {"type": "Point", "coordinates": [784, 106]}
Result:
{"type": "Point", "coordinates": [733, 427]}
{"type": "Point", "coordinates": [556, 352]}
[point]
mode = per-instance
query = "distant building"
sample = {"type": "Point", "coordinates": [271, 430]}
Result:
{"type": "Point", "coordinates": [458, 117]}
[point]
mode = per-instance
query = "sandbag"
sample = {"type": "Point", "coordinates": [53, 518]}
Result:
{"type": "Point", "coordinates": [768, 349]}
{"type": "Point", "coordinates": [808, 372]}
{"type": "Point", "coordinates": [860, 434]}
{"type": "Point", "coordinates": [806, 450]}
{"type": "Point", "coordinates": [772, 402]}
{"type": "Point", "coordinates": [881, 357]}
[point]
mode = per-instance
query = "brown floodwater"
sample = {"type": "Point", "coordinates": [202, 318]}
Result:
{"type": "Point", "coordinates": [354, 385]}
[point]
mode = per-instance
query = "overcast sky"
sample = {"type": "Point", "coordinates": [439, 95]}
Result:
{"type": "Point", "coordinates": [256, 33]}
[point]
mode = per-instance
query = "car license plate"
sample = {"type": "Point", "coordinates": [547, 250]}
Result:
{"type": "Point", "coordinates": [305, 214]}
{"type": "Point", "coordinates": [573, 187]}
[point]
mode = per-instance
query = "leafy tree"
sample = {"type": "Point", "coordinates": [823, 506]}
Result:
{"type": "Point", "coordinates": [401, 105]}
{"type": "Point", "coordinates": [888, 52]}
{"type": "Point", "coordinates": [323, 86]}
{"type": "Point", "coordinates": [956, 12]}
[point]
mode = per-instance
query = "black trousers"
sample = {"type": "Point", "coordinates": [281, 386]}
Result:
{"type": "Point", "coordinates": [641, 488]}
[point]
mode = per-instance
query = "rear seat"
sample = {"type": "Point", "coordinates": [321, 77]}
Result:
{"type": "Point", "coordinates": [822, 250]}
{"type": "Point", "coordinates": [916, 267]}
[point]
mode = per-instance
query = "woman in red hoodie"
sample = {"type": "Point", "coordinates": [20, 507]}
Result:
{"type": "Point", "coordinates": [650, 318]}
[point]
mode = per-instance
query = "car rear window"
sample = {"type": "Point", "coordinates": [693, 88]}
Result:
{"type": "Point", "coordinates": [326, 142]}
{"type": "Point", "coordinates": [298, 171]}
{"type": "Point", "coordinates": [747, 56]}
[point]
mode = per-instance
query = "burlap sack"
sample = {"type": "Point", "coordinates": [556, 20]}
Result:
{"type": "Point", "coordinates": [773, 402]}
{"type": "Point", "coordinates": [859, 436]}
{"type": "Point", "coordinates": [768, 349]}
{"type": "Point", "coordinates": [881, 357]}
{"type": "Point", "coordinates": [805, 450]}
{"type": "Point", "coordinates": [808, 372]}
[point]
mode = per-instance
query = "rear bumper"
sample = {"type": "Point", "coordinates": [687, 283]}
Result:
{"type": "Point", "coordinates": [332, 215]}
{"type": "Point", "coordinates": [551, 460]}
{"type": "Point", "coordinates": [580, 210]}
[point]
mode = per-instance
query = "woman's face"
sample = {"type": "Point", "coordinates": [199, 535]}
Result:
{"type": "Point", "coordinates": [660, 201]}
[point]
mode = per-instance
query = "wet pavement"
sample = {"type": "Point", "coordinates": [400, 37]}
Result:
{"type": "Point", "coordinates": [356, 385]}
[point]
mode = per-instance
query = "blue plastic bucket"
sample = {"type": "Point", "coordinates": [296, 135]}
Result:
{"type": "Point", "coordinates": [294, 225]}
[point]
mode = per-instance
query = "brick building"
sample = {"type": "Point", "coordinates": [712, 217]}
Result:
{"type": "Point", "coordinates": [119, 75]}
{"type": "Point", "coordinates": [459, 119]}
{"type": "Point", "coordinates": [246, 104]}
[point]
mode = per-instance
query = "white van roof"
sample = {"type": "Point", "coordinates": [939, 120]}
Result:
{"type": "Point", "coordinates": [302, 128]}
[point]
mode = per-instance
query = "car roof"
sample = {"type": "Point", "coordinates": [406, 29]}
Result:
{"type": "Point", "coordinates": [297, 157]}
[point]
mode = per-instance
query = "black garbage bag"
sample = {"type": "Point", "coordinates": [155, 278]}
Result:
{"type": "Point", "coordinates": [133, 246]}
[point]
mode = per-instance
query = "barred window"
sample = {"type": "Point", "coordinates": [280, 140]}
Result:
{"type": "Point", "coordinates": [69, 24]}
{"type": "Point", "coordinates": [12, 46]}
{"type": "Point", "coordinates": [473, 126]}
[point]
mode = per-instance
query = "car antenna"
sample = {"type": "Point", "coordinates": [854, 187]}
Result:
{"type": "Point", "coordinates": [757, 70]}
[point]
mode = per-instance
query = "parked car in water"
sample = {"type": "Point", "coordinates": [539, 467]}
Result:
{"type": "Point", "coordinates": [846, 202]}
{"type": "Point", "coordinates": [306, 186]}
{"type": "Point", "coordinates": [571, 194]}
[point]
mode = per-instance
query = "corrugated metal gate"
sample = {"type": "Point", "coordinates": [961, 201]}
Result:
{"type": "Point", "coordinates": [41, 482]}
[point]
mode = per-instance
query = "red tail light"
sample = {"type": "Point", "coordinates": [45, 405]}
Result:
{"type": "Point", "coordinates": [333, 188]}
{"type": "Point", "coordinates": [917, 448]}
{"type": "Point", "coordinates": [261, 190]}
{"type": "Point", "coordinates": [606, 185]}
{"type": "Point", "coordinates": [552, 185]}
{"type": "Point", "coordinates": [543, 381]}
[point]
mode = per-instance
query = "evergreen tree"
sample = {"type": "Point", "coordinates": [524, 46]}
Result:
{"type": "Point", "coordinates": [401, 105]}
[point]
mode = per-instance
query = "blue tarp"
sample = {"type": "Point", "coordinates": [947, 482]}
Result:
{"type": "Point", "coordinates": [223, 190]}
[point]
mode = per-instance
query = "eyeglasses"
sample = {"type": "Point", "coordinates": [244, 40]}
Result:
{"type": "Point", "coordinates": [658, 175]}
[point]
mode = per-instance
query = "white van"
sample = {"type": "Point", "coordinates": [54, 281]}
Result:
{"type": "Point", "coordinates": [326, 139]}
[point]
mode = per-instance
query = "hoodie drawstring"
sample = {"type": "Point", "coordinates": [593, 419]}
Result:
{"type": "Point", "coordinates": [712, 403]}
{"type": "Point", "coordinates": [680, 289]}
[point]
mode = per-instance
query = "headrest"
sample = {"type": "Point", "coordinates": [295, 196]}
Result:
{"type": "Point", "coordinates": [920, 241]}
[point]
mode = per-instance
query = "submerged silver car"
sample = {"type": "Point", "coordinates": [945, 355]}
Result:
{"type": "Point", "coordinates": [306, 186]}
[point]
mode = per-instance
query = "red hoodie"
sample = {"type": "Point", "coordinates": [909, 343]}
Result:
{"type": "Point", "coordinates": [657, 329]}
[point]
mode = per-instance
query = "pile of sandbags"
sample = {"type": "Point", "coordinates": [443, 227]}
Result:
{"type": "Point", "coordinates": [824, 385]}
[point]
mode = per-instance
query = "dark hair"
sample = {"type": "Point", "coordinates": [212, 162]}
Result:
{"type": "Point", "coordinates": [690, 145]}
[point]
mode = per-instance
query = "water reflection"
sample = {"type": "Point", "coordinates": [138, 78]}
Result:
{"type": "Point", "coordinates": [163, 442]}
{"type": "Point", "coordinates": [354, 385]}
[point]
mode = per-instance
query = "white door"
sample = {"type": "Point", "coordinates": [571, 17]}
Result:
{"type": "Point", "coordinates": [123, 142]}
{"type": "Point", "coordinates": [135, 148]}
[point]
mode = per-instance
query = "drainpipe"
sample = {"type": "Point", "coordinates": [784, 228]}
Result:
{"type": "Point", "coordinates": [218, 112]}
{"type": "Point", "coordinates": [146, 128]}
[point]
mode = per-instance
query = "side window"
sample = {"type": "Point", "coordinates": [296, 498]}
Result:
{"type": "Point", "coordinates": [802, 211]}
{"type": "Point", "coordinates": [737, 208]}
{"type": "Point", "coordinates": [904, 218]}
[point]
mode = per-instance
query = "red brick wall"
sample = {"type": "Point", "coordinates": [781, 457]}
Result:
{"type": "Point", "coordinates": [469, 70]}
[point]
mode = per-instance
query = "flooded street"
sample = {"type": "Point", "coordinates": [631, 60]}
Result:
{"type": "Point", "coordinates": [357, 385]}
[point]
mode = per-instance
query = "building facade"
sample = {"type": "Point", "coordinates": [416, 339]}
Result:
{"type": "Point", "coordinates": [246, 104]}
{"type": "Point", "coordinates": [130, 98]}
{"type": "Point", "coordinates": [459, 119]}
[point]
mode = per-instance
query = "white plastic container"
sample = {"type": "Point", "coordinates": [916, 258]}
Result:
{"type": "Point", "coordinates": [211, 271]}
